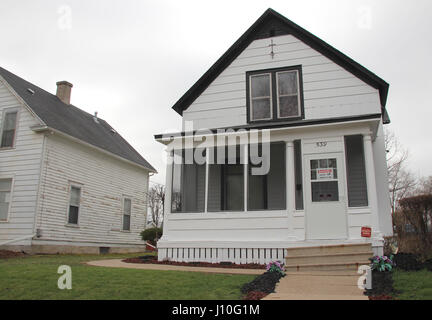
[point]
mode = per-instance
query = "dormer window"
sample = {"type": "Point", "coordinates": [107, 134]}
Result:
{"type": "Point", "coordinates": [275, 94]}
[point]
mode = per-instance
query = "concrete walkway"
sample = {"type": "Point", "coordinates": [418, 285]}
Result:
{"type": "Point", "coordinates": [118, 263]}
{"type": "Point", "coordinates": [317, 285]}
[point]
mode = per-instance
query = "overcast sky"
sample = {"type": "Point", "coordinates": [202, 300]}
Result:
{"type": "Point", "coordinates": [132, 60]}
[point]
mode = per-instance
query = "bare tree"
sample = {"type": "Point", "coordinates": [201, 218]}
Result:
{"type": "Point", "coordinates": [401, 181]}
{"type": "Point", "coordinates": [156, 203]}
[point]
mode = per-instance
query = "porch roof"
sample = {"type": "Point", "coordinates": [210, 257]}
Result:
{"type": "Point", "coordinates": [271, 125]}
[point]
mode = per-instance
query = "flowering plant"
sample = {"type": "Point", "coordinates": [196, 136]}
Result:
{"type": "Point", "coordinates": [382, 263]}
{"type": "Point", "coordinates": [275, 266]}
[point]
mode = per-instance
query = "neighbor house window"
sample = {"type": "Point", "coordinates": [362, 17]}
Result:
{"type": "Point", "coordinates": [5, 198]}
{"type": "Point", "coordinates": [356, 172]}
{"type": "Point", "coordinates": [74, 204]}
{"type": "Point", "coordinates": [127, 207]}
{"type": "Point", "coordinates": [8, 129]}
{"type": "Point", "coordinates": [275, 94]}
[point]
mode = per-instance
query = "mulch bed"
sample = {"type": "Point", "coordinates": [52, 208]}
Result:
{"type": "Point", "coordinates": [5, 254]}
{"type": "Point", "coordinates": [261, 285]}
{"type": "Point", "coordinates": [153, 260]}
{"type": "Point", "coordinates": [382, 286]}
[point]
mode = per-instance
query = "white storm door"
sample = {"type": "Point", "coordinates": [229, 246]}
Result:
{"type": "Point", "coordinates": [325, 197]}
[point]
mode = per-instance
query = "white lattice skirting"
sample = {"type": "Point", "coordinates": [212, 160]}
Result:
{"type": "Point", "coordinates": [216, 255]}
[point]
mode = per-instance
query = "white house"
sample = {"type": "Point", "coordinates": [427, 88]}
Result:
{"type": "Point", "coordinates": [68, 181]}
{"type": "Point", "coordinates": [318, 116]}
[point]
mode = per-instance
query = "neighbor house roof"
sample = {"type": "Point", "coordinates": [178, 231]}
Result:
{"type": "Point", "coordinates": [272, 24]}
{"type": "Point", "coordinates": [73, 121]}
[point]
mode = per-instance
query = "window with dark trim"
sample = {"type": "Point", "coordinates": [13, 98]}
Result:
{"type": "Point", "coordinates": [127, 208]}
{"type": "Point", "coordinates": [275, 94]}
{"type": "Point", "coordinates": [74, 204]}
{"type": "Point", "coordinates": [8, 129]}
{"type": "Point", "coordinates": [5, 198]}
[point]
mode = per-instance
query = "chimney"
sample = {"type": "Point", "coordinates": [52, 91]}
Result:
{"type": "Point", "coordinates": [64, 91]}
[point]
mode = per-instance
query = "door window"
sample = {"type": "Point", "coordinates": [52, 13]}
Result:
{"type": "Point", "coordinates": [324, 180]}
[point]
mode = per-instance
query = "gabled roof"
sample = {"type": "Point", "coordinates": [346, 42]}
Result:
{"type": "Point", "coordinates": [73, 121]}
{"type": "Point", "coordinates": [272, 24]}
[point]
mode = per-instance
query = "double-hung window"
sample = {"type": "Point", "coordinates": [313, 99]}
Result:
{"type": "Point", "coordinates": [74, 204]}
{"type": "Point", "coordinates": [5, 198]}
{"type": "Point", "coordinates": [8, 129]}
{"type": "Point", "coordinates": [127, 208]}
{"type": "Point", "coordinates": [275, 94]}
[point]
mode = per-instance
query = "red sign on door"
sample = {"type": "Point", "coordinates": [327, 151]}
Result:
{"type": "Point", "coordinates": [366, 232]}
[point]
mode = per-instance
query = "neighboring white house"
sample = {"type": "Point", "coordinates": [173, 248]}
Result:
{"type": "Point", "coordinates": [323, 114]}
{"type": "Point", "coordinates": [68, 181]}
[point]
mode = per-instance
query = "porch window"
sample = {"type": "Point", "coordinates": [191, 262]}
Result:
{"type": "Point", "coordinates": [8, 129]}
{"type": "Point", "coordinates": [188, 184]}
{"type": "Point", "coordinates": [5, 198]}
{"type": "Point", "coordinates": [74, 204]}
{"type": "Point", "coordinates": [267, 190]}
{"type": "Point", "coordinates": [226, 179]}
{"type": "Point", "coordinates": [298, 175]}
{"type": "Point", "coordinates": [275, 94]}
{"type": "Point", "coordinates": [356, 172]}
{"type": "Point", "coordinates": [127, 208]}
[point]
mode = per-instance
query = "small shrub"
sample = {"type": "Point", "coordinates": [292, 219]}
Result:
{"type": "Point", "coordinates": [151, 235]}
{"type": "Point", "coordinates": [264, 283]}
{"type": "Point", "coordinates": [407, 262]}
{"type": "Point", "coordinates": [382, 264]}
{"type": "Point", "coordinates": [275, 266]}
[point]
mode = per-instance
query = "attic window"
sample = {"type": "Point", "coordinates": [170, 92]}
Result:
{"type": "Point", "coordinates": [275, 94]}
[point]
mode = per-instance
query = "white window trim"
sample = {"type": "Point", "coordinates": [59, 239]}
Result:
{"type": "Point", "coordinates": [80, 186]}
{"type": "Point", "coordinates": [270, 97]}
{"type": "Point", "coordinates": [3, 120]}
{"type": "Point", "coordinates": [288, 95]}
{"type": "Point", "coordinates": [124, 197]}
{"type": "Point", "coordinates": [11, 195]}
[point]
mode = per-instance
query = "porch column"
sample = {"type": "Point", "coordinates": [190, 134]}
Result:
{"type": "Point", "coordinates": [206, 180]}
{"type": "Point", "coordinates": [371, 183]}
{"type": "Point", "coordinates": [245, 172]}
{"type": "Point", "coordinates": [290, 183]}
{"type": "Point", "coordinates": [168, 189]}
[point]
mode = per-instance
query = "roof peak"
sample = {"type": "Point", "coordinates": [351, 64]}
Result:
{"type": "Point", "coordinates": [260, 29]}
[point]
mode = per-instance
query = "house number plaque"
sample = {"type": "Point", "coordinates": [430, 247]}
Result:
{"type": "Point", "coordinates": [321, 144]}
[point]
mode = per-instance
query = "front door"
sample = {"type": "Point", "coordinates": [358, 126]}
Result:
{"type": "Point", "coordinates": [325, 197]}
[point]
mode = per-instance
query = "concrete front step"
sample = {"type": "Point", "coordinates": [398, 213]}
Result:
{"type": "Point", "coordinates": [347, 266]}
{"type": "Point", "coordinates": [329, 249]}
{"type": "Point", "coordinates": [329, 258]}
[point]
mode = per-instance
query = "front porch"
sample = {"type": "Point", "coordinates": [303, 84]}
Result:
{"type": "Point", "coordinates": [320, 189]}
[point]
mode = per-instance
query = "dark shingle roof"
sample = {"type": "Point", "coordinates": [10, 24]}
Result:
{"type": "Point", "coordinates": [72, 120]}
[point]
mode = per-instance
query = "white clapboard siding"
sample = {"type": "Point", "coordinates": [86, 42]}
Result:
{"type": "Point", "coordinates": [22, 163]}
{"type": "Point", "coordinates": [329, 90]}
{"type": "Point", "coordinates": [104, 181]}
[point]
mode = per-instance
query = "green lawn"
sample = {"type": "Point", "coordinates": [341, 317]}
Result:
{"type": "Point", "coordinates": [35, 277]}
{"type": "Point", "coordinates": [413, 285]}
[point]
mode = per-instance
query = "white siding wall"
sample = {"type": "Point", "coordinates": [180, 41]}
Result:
{"type": "Point", "coordinates": [104, 181]}
{"type": "Point", "coordinates": [329, 90]}
{"type": "Point", "coordinates": [22, 163]}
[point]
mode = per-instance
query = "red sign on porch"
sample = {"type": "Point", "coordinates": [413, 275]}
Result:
{"type": "Point", "coordinates": [366, 232]}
